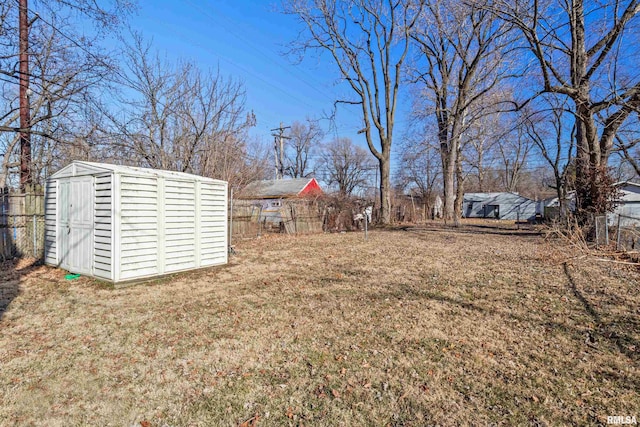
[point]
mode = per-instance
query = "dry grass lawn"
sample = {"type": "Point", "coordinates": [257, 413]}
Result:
{"type": "Point", "coordinates": [412, 327]}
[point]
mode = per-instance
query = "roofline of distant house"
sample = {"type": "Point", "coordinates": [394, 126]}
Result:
{"type": "Point", "coordinates": [635, 184]}
{"type": "Point", "coordinates": [282, 196]}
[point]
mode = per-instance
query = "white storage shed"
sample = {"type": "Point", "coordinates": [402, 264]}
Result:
{"type": "Point", "coordinates": [122, 223]}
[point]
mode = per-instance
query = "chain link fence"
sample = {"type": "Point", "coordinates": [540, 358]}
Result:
{"type": "Point", "coordinates": [602, 230]}
{"type": "Point", "coordinates": [620, 229]}
{"type": "Point", "coordinates": [21, 225]}
{"type": "Point", "coordinates": [21, 236]}
{"type": "Point", "coordinates": [627, 232]}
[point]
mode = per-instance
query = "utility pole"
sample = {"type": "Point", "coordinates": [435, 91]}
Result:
{"type": "Point", "coordinates": [25, 135]}
{"type": "Point", "coordinates": [278, 145]}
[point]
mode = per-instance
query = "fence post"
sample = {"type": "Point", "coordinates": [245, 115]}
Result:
{"type": "Point", "coordinates": [606, 230]}
{"type": "Point", "coordinates": [366, 221]}
{"type": "Point", "coordinates": [618, 236]}
{"type": "Point", "coordinates": [35, 237]}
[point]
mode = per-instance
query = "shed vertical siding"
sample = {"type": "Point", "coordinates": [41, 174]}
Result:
{"type": "Point", "coordinates": [213, 223]}
{"type": "Point", "coordinates": [180, 225]}
{"type": "Point", "coordinates": [103, 228]}
{"type": "Point", "coordinates": [50, 222]}
{"type": "Point", "coordinates": [138, 252]}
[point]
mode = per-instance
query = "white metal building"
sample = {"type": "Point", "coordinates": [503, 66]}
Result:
{"type": "Point", "coordinates": [627, 207]}
{"type": "Point", "coordinates": [123, 223]}
{"type": "Point", "coordinates": [499, 206]}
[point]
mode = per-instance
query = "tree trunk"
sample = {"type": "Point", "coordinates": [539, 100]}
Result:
{"type": "Point", "coordinates": [385, 191]}
{"type": "Point", "coordinates": [448, 175]}
{"type": "Point", "coordinates": [457, 209]}
{"type": "Point", "coordinates": [562, 202]}
{"type": "Point", "coordinates": [591, 158]}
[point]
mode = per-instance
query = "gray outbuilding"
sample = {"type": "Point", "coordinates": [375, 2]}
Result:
{"type": "Point", "coordinates": [121, 223]}
{"type": "Point", "coordinates": [627, 206]}
{"type": "Point", "coordinates": [503, 205]}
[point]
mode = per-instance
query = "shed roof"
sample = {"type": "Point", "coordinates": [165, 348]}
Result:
{"type": "Point", "coordinates": [276, 188]}
{"type": "Point", "coordinates": [502, 196]}
{"type": "Point", "coordinates": [630, 191]}
{"type": "Point", "coordinates": [78, 167]}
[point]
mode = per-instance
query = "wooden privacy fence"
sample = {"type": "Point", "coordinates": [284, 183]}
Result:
{"type": "Point", "coordinates": [21, 225]}
{"type": "Point", "coordinates": [300, 218]}
{"type": "Point", "coordinates": [248, 219]}
{"type": "Point", "coordinates": [244, 219]}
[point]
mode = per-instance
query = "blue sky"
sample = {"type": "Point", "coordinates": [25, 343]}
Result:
{"type": "Point", "coordinates": [247, 39]}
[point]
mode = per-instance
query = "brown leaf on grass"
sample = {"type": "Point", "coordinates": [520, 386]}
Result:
{"type": "Point", "coordinates": [335, 393]}
{"type": "Point", "coordinates": [145, 423]}
{"type": "Point", "coordinates": [289, 412]}
{"type": "Point", "coordinates": [251, 422]}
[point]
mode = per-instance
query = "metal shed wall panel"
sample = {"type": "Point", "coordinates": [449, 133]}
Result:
{"type": "Point", "coordinates": [103, 227]}
{"type": "Point", "coordinates": [138, 226]}
{"type": "Point", "coordinates": [180, 225]}
{"type": "Point", "coordinates": [213, 223]}
{"type": "Point", "coordinates": [50, 218]}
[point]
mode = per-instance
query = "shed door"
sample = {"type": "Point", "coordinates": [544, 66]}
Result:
{"type": "Point", "coordinates": [76, 224]}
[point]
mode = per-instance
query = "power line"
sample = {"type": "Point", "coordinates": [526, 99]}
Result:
{"type": "Point", "coordinates": [181, 36]}
{"type": "Point", "coordinates": [260, 51]}
{"type": "Point", "coordinates": [278, 144]}
{"type": "Point", "coordinates": [252, 46]}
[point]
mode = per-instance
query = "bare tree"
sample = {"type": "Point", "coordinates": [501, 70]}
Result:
{"type": "Point", "coordinates": [368, 41]}
{"type": "Point", "coordinates": [463, 60]}
{"type": "Point", "coordinates": [420, 167]}
{"type": "Point", "coordinates": [65, 71]}
{"type": "Point", "coordinates": [346, 165]}
{"type": "Point", "coordinates": [627, 143]}
{"type": "Point", "coordinates": [547, 128]}
{"type": "Point", "coordinates": [238, 160]}
{"type": "Point", "coordinates": [304, 140]}
{"type": "Point", "coordinates": [175, 117]}
{"type": "Point", "coordinates": [479, 152]}
{"type": "Point", "coordinates": [580, 52]}
{"type": "Point", "coordinates": [514, 148]}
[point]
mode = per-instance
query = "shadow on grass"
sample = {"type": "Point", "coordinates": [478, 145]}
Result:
{"type": "Point", "coordinates": [10, 273]}
{"type": "Point", "coordinates": [625, 344]}
{"type": "Point", "coordinates": [478, 230]}
{"type": "Point", "coordinates": [613, 331]}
